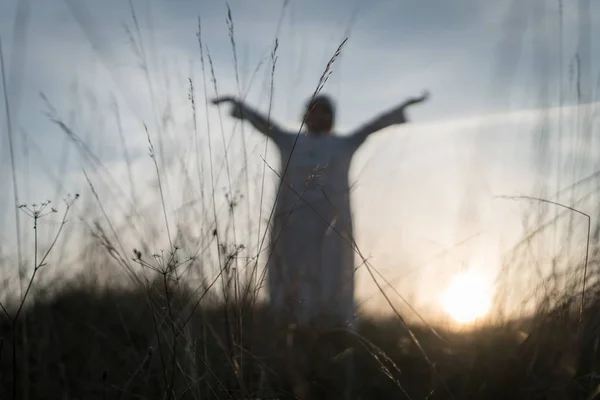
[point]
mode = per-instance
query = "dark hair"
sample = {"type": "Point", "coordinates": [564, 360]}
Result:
{"type": "Point", "coordinates": [321, 99]}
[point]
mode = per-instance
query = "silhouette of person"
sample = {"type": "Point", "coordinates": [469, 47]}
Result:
{"type": "Point", "coordinates": [311, 268]}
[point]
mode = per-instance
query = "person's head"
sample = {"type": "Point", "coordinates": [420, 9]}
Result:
{"type": "Point", "coordinates": [320, 115]}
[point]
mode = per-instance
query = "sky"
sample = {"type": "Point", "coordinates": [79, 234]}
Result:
{"type": "Point", "coordinates": [512, 112]}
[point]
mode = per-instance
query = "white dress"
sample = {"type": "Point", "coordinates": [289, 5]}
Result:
{"type": "Point", "coordinates": [311, 258]}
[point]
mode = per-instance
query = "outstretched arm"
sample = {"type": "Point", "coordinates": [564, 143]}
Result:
{"type": "Point", "coordinates": [241, 111]}
{"type": "Point", "coordinates": [394, 116]}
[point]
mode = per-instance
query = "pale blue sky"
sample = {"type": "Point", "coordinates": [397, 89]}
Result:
{"type": "Point", "coordinates": [491, 67]}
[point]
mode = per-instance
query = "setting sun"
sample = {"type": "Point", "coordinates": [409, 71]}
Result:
{"type": "Point", "coordinates": [466, 298]}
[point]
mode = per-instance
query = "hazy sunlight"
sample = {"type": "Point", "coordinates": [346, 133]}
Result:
{"type": "Point", "coordinates": [466, 298]}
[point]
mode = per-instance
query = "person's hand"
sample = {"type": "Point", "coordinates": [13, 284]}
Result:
{"type": "Point", "coordinates": [236, 109]}
{"type": "Point", "coordinates": [416, 100]}
{"type": "Point", "coordinates": [224, 99]}
{"type": "Point", "coordinates": [398, 115]}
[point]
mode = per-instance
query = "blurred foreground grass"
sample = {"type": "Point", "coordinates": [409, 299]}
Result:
{"type": "Point", "coordinates": [85, 341]}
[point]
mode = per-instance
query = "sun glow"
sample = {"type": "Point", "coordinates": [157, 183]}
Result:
{"type": "Point", "coordinates": [467, 298]}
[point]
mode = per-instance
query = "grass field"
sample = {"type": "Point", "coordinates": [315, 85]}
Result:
{"type": "Point", "coordinates": [88, 342]}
